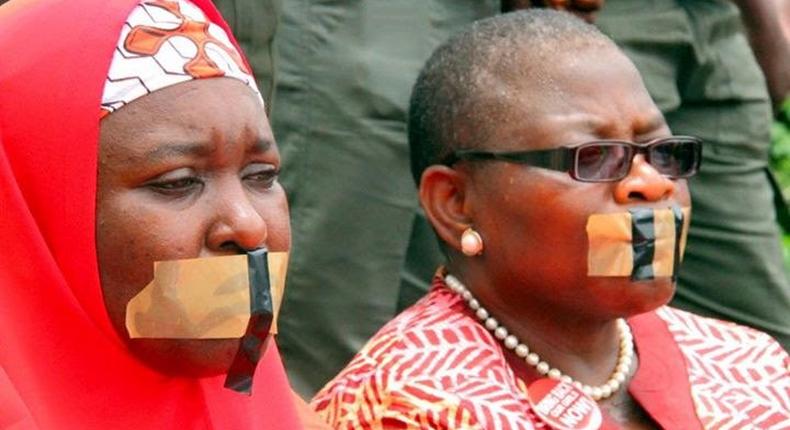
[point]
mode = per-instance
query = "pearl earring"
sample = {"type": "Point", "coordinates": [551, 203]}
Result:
{"type": "Point", "coordinates": [471, 242]}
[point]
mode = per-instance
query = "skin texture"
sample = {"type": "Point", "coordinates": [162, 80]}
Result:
{"type": "Point", "coordinates": [532, 274]}
{"type": "Point", "coordinates": [187, 171]}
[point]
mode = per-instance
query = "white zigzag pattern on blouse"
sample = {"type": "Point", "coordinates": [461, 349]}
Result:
{"type": "Point", "coordinates": [729, 389]}
{"type": "Point", "coordinates": [404, 375]}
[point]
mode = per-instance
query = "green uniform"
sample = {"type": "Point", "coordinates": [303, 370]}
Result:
{"type": "Point", "coordinates": [254, 24]}
{"type": "Point", "coordinates": [344, 75]}
{"type": "Point", "coordinates": [344, 78]}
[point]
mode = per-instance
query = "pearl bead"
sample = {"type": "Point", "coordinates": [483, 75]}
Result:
{"type": "Point", "coordinates": [543, 367]}
{"type": "Point", "coordinates": [511, 342]}
{"type": "Point", "coordinates": [618, 376]}
{"type": "Point", "coordinates": [466, 295]}
{"type": "Point", "coordinates": [596, 393]}
{"type": "Point", "coordinates": [613, 385]}
{"type": "Point", "coordinates": [521, 350]}
{"type": "Point", "coordinates": [566, 379]}
{"type": "Point", "coordinates": [606, 391]}
{"type": "Point", "coordinates": [500, 333]}
{"type": "Point", "coordinates": [626, 362]}
{"type": "Point", "coordinates": [474, 304]}
{"type": "Point", "coordinates": [491, 323]}
{"type": "Point", "coordinates": [555, 374]}
{"type": "Point", "coordinates": [533, 359]}
{"type": "Point", "coordinates": [471, 244]}
{"type": "Point", "coordinates": [482, 314]}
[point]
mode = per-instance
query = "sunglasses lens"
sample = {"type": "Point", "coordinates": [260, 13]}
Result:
{"type": "Point", "coordinates": [602, 161]}
{"type": "Point", "coordinates": [676, 158]}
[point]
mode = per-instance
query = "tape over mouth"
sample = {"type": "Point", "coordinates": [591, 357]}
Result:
{"type": "Point", "coordinates": [641, 243]}
{"type": "Point", "coordinates": [227, 297]}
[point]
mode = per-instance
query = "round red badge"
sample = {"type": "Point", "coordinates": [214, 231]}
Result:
{"type": "Point", "coordinates": [563, 406]}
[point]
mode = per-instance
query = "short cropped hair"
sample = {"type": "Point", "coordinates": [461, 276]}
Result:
{"type": "Point", "coordinates": [458, 95]}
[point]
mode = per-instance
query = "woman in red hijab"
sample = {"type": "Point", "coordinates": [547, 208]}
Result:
{"type": "Point", "coordinates": [131, 134]}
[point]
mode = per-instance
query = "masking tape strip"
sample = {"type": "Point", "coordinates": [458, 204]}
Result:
{"type": "Point", "coordinates": [679, 238]}
{"type": "Point", "coordinates": [664, 256]}
{"type": "Point", "coordinates": [253, 342]}
{"type": "Point", "coordinates": [643, 238]}
{"type": "Point", "coordinates": [174, 304]}
{"type": "Point", "coordinates": [684, 234]}
{"type": "Point", "coordinates": [277, 262]}
{"type": "Point", "coordinates": [610, 252]}
{"type": "Point", "coordinates": [641, 243]}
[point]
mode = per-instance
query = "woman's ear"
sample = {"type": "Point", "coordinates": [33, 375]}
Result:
{"type": "Point", "coordinates": [443, 196]}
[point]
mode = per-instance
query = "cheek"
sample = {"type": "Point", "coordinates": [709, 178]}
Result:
{"type": "Point", "coordinates": [132, 235]}
{"type": "Point", "coordinates": [273, 208]}
{"type": "Point", "coordinates": [544, 226]}
{"type": "Point", "coordinates": [682, 193]}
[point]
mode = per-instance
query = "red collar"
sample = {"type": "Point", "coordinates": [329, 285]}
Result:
{"type": "Point", "coordinates": [661, 383]}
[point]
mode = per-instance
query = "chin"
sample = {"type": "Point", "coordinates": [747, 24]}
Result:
{"type": "Point", "coordinates": [186, 357]}
{"type": "Point", "coordinates": [649, 295]}
{"type": "Point", "coordinates": [623, 297]}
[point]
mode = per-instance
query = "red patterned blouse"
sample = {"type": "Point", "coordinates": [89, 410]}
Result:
{"type": "Point", "coordinates": [436, 367]}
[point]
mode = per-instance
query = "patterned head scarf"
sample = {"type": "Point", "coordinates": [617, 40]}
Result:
{"type": "Point", "coordinates": [166, 42]}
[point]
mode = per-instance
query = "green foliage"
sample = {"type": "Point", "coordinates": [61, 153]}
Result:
{"type": "Point", "coordinates": [780, 149]}
{"type": "Point", "coordinates": [786, 243]}
{"type": "Point", "coordinates": [780, 161]}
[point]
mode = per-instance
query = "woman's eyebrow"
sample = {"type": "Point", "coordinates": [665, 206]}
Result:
{"type": "Point", "coordinates": [262, 144]}
{"type": "Point", "coordinates": [173, 150]}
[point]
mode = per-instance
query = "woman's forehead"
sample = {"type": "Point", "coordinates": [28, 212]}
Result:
{"type": "Point", "coordinates": [578, 103]}
{"type": "Point", "coordinates": [192, 118]}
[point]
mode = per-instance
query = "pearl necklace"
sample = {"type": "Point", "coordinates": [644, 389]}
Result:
{"type": "Point", "coordinates": [603, 391]}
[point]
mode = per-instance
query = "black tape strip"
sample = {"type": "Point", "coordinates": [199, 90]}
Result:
{"type": "Point", "coordinates": [643, 240]}
{"type": "Point", "coordinates": [678, 213]}
{"type": "Point", "coordinates": [254, 341]}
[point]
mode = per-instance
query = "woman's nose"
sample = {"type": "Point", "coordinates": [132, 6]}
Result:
{"type": "Point", "coordinates": [237, 224]}
{"type": "Point", "coordinates": [643, 183]}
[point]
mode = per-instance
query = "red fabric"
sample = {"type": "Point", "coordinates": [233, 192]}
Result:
{"type": "Point", "coordinates": [661, 384]}
{"type": "Point", "coordinates": [62, 364]}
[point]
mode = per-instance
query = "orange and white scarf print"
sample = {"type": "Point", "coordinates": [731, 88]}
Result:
{"type": "Point", "coordinates": [166, 42]}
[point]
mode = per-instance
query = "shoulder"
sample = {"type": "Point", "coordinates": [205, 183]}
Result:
{"type": "Point", "coordinates": [734, 371]}
{"type": "Point", "coordinates": [433, 366]}
{"type": "Point", "coordinates": [709, 334]}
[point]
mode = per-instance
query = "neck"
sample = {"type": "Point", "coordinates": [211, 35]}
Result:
{"type": "Point", "coordinates": [580, 346]}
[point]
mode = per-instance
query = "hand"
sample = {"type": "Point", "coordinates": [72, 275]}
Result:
{"type": "Point", "coordinates": [584, 9]}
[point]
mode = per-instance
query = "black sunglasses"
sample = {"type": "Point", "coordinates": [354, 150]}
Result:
{"type": "Point", "coordinates": [602, 160]}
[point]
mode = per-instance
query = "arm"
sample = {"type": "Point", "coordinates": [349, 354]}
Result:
{"type": "Point", "coordinates": [770, 44]}
{"type": "Point", "coordinates": [584, 9]}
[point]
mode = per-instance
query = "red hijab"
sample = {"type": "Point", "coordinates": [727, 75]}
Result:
{"type": "Point", "coordinates": [61, 364]}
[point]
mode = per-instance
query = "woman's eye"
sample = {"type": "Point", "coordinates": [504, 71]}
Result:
{"type": "Point", "coordinates": [176, 187]}
{"type": "Point", "coordinates": [259, 177]}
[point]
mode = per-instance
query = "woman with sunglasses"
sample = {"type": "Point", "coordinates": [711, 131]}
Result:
{"type": "Point", "coordinates": [559, 195]}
